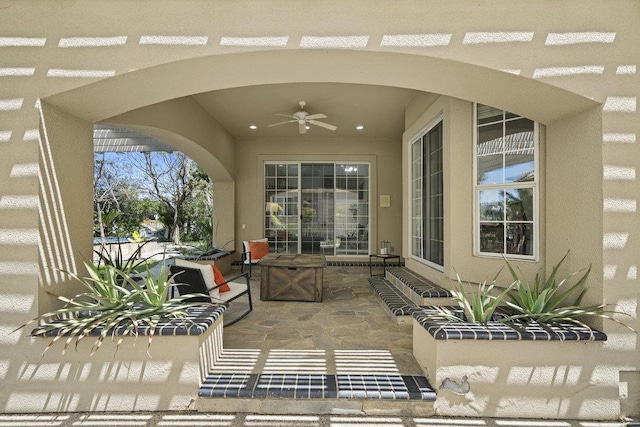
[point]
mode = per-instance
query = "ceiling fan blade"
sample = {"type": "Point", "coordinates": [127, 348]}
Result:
{"type": "Point", "coordinates": [281, 123]}
{"type": "Point", "coordinates": [323, 125]}
{"type": "Point", "coordinates": [285, 115]}
{"type": "Point", "coordinates": [316, 116]}
{"type": "Point", "coordinates": [302, 128]}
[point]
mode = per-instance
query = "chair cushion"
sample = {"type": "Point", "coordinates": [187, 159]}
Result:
{"type": "Point", "coordinates": [207, 275]}
{"type": "Point", "coordinates": [219, 278]}
{"type": "Point", "coordinates": [236, 288]}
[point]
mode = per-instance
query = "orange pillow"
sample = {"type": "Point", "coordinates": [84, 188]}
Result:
{"type": "Point", "coordinates": [219, 278]}
{"type": "Point", "coordinates": [258, 249]}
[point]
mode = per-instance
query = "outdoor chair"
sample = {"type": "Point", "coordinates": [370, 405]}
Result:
{"type": "Point", "coordinates": [193, 278]}
{"type": "Point", "coordinates": [252, 252]}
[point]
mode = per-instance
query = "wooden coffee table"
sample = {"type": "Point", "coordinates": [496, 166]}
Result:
{"type": "Point", "coordinates": [291, 277]}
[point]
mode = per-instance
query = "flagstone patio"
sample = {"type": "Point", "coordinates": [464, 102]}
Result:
{"type": "Point", "coordinates": [349, 332]}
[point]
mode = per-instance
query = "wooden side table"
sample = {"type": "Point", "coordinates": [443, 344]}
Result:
{"type": "Point", "coordinates": [384, 258]}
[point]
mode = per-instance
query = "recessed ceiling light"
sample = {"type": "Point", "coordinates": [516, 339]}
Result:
{"type": "Point", "coordinates": [307, 127]}
{"type": "Point", "coordinates": [359, 127]}
{"type": "Point", "coordinates": [253, 127]}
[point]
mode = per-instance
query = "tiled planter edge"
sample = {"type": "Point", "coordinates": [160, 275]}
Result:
{"type": "Point", "coordinates": [495, 370]}
{"type": "Point", "coordinates": [126, 379]}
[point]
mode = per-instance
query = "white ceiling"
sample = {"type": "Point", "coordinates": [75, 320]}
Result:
{"type": "Point", "coordinates": [379, 109]}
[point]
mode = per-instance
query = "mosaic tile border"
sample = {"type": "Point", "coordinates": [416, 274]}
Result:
{"type": "Point", "coordinates": [421, 286]}
{"type": "Point", "coordinates": [343, 263]}
{"type": "Point", "coordinates": [317, 386]}
{"type": "Point", "coordinates": [396, 302]}
{"type": "Point", "coordinates": [200, 318]}
{"type": "Point", "coordinates": [499, 331]}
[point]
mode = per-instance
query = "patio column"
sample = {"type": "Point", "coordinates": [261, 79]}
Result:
{"type": "Point", "coordinates": [574, 197]}
{"type": "Point", "coordinates": [224, 214]}
{"type": "Point", "coordinates": [66, 199]}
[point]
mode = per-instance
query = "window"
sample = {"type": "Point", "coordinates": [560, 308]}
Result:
{"type": "Point", "coordinates": [427, 201]}
{"type": "Point", "coordinates": [317, 208]}
{"type": "Point", "coordinates": [506, 182]}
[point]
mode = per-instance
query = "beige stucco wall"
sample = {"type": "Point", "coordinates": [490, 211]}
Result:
{"type": "Point", "coordinates": [570, 65]}
{"type": "Point", "coordinates": [509, 379]}
{"type": "Point", "coordinates": [66, 218]}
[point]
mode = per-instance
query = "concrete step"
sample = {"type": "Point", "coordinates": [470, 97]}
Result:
{"type": "Point", "coordinates": [295, 393]}
{"type": "Point", "coordinates": [419, 290]}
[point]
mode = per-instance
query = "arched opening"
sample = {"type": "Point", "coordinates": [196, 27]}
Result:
{"type": "Point", "coordinates": [162, 102]}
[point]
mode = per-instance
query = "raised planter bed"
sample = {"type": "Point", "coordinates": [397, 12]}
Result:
{"type": "Point", "coordinates": [128, 379]}
{"type": "Point", "coordinates": [516, 370]}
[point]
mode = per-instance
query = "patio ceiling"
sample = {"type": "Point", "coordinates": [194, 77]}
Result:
{"type": "Point", "coordinates": [379, 109]}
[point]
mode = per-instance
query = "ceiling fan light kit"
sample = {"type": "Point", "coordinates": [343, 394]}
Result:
{"type": "Point", "coordinates": [304, 119]}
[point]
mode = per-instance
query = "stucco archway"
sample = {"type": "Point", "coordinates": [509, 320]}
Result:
{"type": "Point", "coordinates": [140, 99]}
{"type": "Point", "coordinates": [126, 92]}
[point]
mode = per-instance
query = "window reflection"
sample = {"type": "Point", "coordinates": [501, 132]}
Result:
{"type": "Point", "coordinates": [505, 164]}
{"type": "Point", "coordinates": [506, 221]}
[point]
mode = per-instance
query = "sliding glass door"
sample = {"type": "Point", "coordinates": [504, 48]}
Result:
{"type": "Point", "coordinates": [318, 208]}
{"type": "Point", "coordinates": [427, 197]}
{"type": "Point", "coordinates": [282, 196]}
{"type": "Point", "coordinates": [352, 209]}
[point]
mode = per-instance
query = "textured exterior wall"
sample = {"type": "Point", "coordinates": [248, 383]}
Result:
{"type": "Point", "coordinates": [519, 379]}
{"type": "Point", "coordinates": [569, 64]}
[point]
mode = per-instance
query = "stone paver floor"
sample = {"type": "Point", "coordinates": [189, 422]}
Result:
{"type": "Point", "coordinates": [349, 332]}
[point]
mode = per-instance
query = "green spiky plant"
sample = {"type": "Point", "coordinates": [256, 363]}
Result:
{"type": "Point", "coordinates": [478, 303]}
{"type": "Point", "coordinates": [132, 264]}
{"type": "Point", "coordinates": [550, 300]}
{"type": "Point", "coordinates": [554, 299]}
{"type": "Point", "coordinates": [114, 304]}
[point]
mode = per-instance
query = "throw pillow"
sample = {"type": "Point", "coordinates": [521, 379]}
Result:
{"type": "Point", "coordinates": [258, 248]}
{"type": "Point", "coordinates": [219, 278]}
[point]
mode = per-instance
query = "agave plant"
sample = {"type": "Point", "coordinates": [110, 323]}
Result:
{"type": "Point", "coordinates": [113, 304]}
{"type": "Point", "coordinates": [134, 263]}
{"type": "Point", "coordinates": [551, 300]}
{"type": "Point", "coordinates": [478, 303]}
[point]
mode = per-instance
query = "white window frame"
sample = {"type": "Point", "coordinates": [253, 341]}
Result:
{"type": "Point", "coordinates": [419, 136]}
{"type": "Point", "coordinates": [535, 185]}
{"type": "Point", "coordinates": [299, 163]}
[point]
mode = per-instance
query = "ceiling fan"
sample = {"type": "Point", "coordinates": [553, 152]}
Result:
{"type": "Point", "coordinates": [303, 118]}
